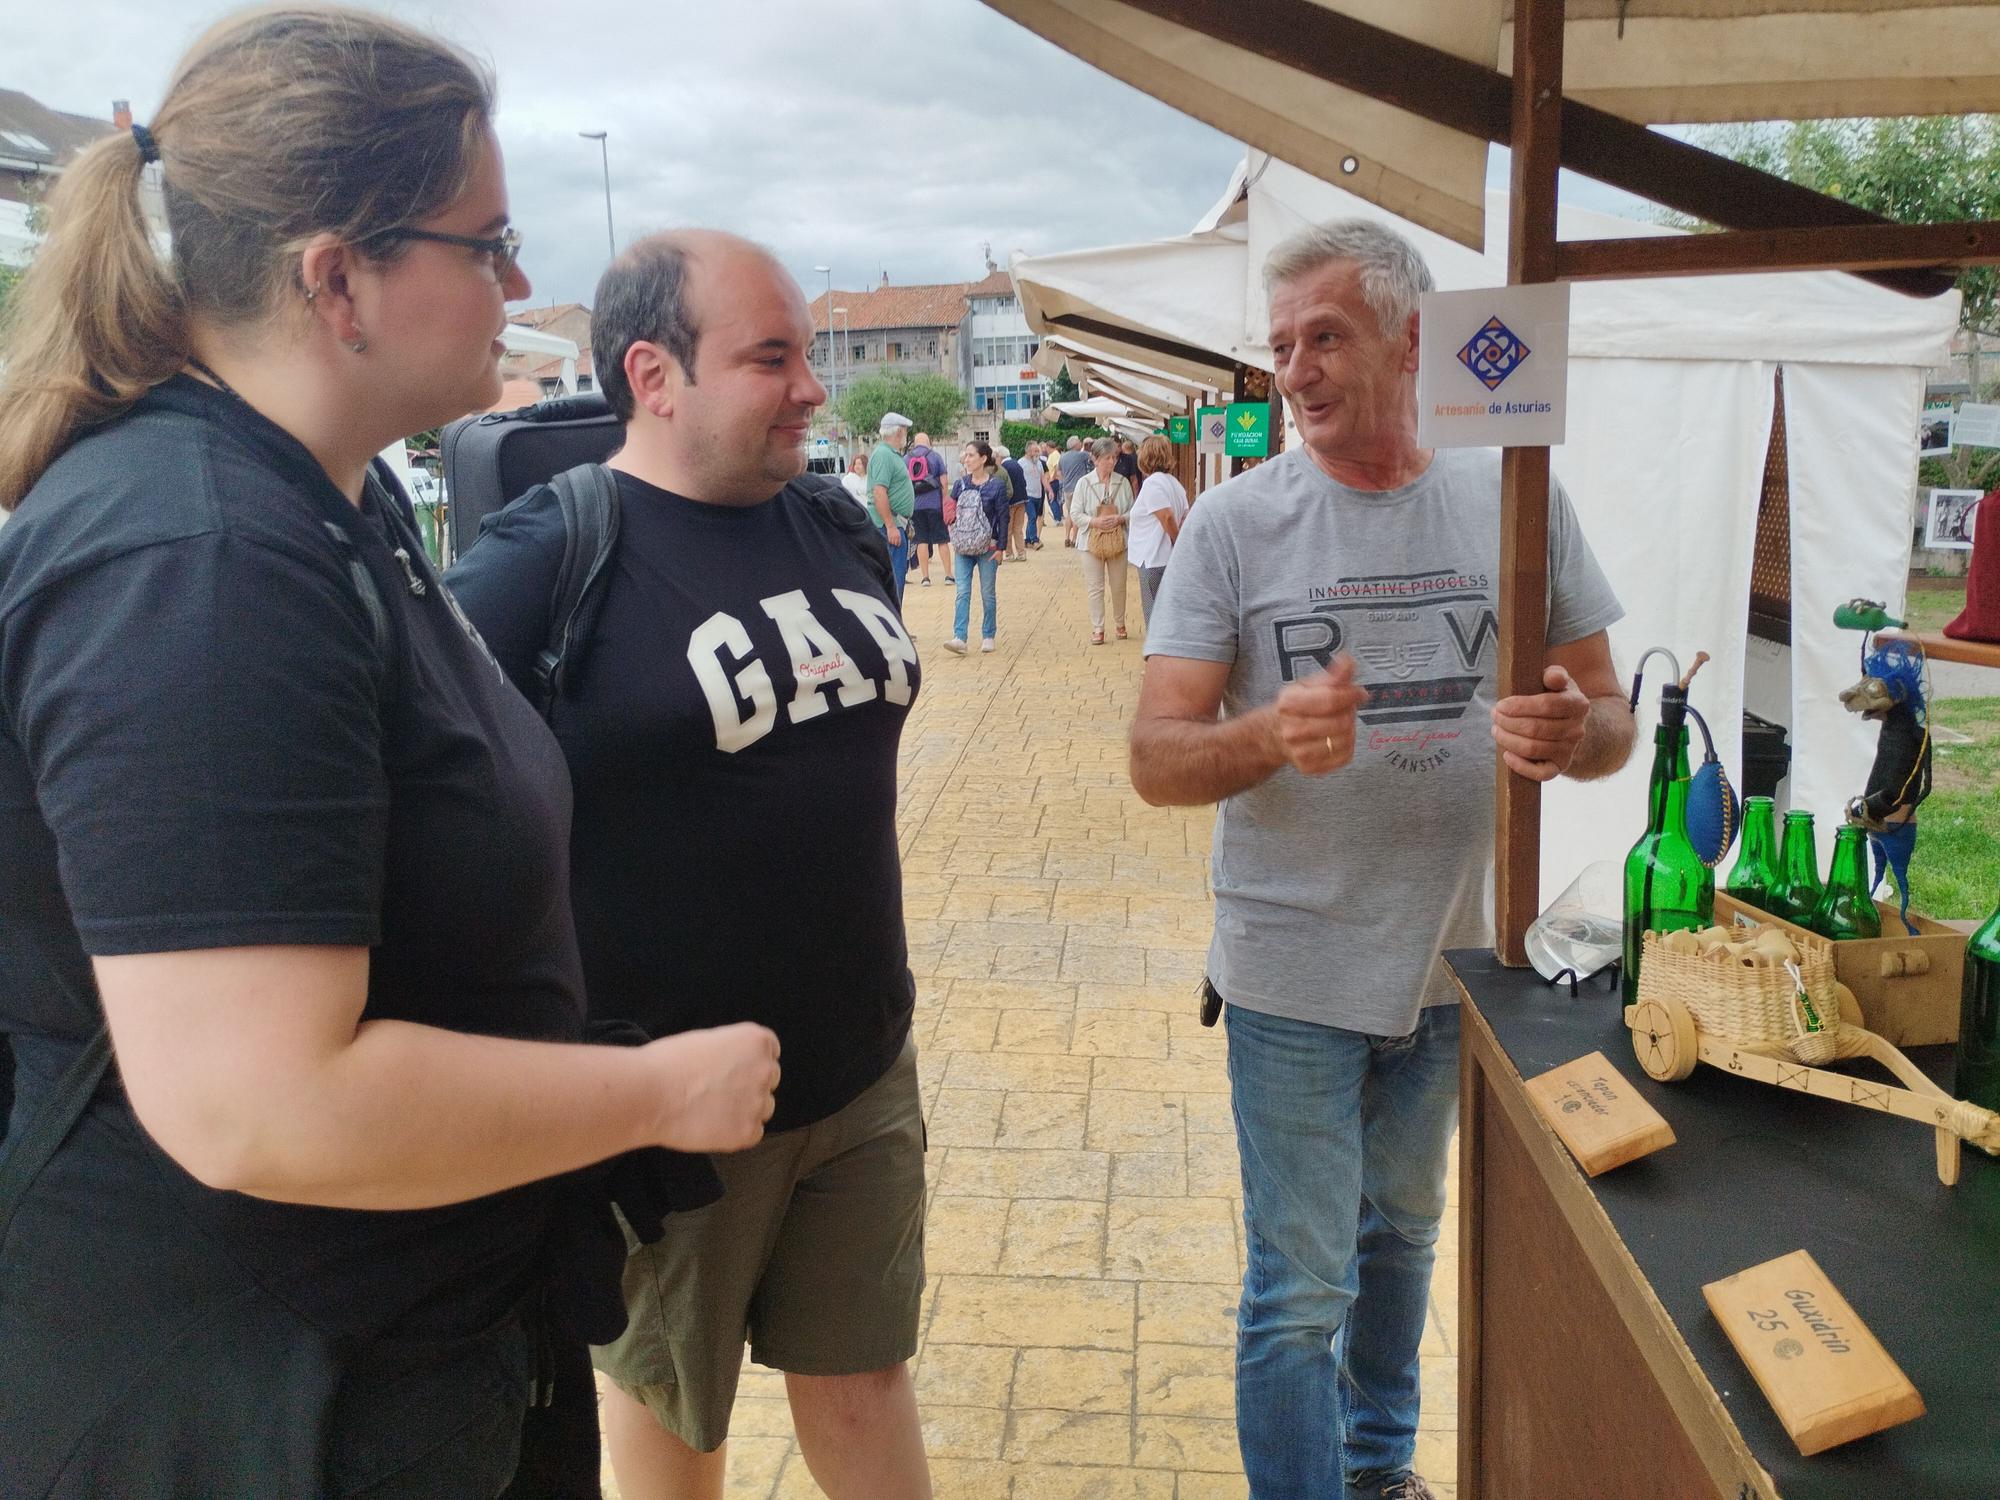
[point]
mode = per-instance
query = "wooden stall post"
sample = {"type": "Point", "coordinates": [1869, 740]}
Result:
{"type": "Point", "coordinates": [1524, 472]}
{"type": "Point", "coordinates": [1186, 464]}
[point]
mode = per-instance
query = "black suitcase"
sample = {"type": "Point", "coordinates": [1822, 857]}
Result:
{"type": "Point", "coordinates": [499, 456]}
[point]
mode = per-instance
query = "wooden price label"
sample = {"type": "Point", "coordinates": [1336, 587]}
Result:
{"type": "Point", "coordinates": [1823, 1372]}
{"type": "Point", "coordinates": [1598, 1114]}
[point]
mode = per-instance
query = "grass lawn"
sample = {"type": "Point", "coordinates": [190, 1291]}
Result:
{"type": "Point", "coordinates": [1933, 609]}
{"type": "Point", "coordinates": [1956, 869]}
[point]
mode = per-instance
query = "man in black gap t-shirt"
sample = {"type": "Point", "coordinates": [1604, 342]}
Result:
{"type": "Point", "coordinates": [731, 728]}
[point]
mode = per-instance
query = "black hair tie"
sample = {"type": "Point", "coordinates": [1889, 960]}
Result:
{"type": "Point", "coordinates": [149, 149]}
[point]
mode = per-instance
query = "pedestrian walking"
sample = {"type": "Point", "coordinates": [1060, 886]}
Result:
{"type": "Point", "coordinates": [1157, 513]}
{"type": "Point", "coordinates": [1017, 503]}
{"type": "Point", "coordinates": [928, 481]}
{"type": "Point", "coordinates": [1099, 503]}
{"type": "Point", "coordinates": [1070, 469]}
{"type": "Point", "coordinates": [1032, 472]}
{"type": "Point", "coordinates": [892, 499]}
{"type": "Point", "coordinates": [981, 521]}
{"type": "Point", "coordinates": [855, 480]}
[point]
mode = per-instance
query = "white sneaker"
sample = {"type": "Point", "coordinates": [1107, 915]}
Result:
{"type": "Point", "coordinates": [955, 646]}
{"type": "Point", "coordinates": [985, 645]}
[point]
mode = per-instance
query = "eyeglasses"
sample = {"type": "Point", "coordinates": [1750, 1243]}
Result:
{"type": "Point", "coordinates": [505, 249]}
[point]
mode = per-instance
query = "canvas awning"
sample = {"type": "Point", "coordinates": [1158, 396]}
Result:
{"type": "Point", "coordinates": [1395, 100]}
{"type": "Point", "coordinates": [1156, 321]}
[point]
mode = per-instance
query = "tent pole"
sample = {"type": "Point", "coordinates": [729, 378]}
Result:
{"type": "Point", "coordinates": [1524, 491]}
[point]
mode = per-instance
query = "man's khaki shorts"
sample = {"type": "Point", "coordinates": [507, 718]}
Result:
{"type": "Point", "coordinates": [815, 1253]}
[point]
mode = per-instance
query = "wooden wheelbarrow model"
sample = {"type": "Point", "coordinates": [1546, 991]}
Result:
{"type": "Point", "coordinates": [1752, 1004]}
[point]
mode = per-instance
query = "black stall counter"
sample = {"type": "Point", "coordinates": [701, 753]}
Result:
{"type": "Point", "coordinates": [1590, 1366]}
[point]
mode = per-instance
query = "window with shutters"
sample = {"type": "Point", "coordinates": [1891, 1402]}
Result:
{"type": "Point", "coordinates": [1771, 563]}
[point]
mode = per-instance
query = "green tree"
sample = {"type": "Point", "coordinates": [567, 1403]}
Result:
{"type": "Point", "coordinates": [1912, 169]}
{"type": "Point", "coordinates": [8, 276]}
{"type": "Point", "coordinates": [936, 404]}
{"type": "Point", "coordinates": [1062, 388]}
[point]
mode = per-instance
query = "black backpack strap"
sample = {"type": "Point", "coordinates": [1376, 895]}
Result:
{"type": "Point", "coordinates": [830, 497]}
{"type": "Point", "coordinates": [588, 497]}
{"type": "Point", "coordinates": [29, 1150]}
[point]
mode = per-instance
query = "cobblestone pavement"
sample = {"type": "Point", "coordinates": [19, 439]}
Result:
{"type": "Point", "coordinates": [1084, 1237]}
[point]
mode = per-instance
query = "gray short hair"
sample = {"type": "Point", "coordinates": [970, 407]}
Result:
{"type": "Point", "coordinates": [1393, 272]}
{"type": "Point", "coordinates": [1104, 447]}
{"type": "Point", "coordinates": [1075, 443]}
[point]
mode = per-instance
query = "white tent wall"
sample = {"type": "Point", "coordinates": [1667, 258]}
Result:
{"type": "Point", "coordinates": [1853, 472]}
{"type": "Point", "coordinates": [1665, 515]}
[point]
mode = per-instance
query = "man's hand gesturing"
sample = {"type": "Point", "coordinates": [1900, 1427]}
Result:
{"type": "Point", "coordinates": [1313, 719]}
{"type": "Point", "coordinates": [1537, 733]}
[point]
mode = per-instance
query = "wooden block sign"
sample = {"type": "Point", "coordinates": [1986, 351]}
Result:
{"type": "Point", "coordinates": [1823, 1372]}
{"type": "Point", "coordinates": [1599, 1115]}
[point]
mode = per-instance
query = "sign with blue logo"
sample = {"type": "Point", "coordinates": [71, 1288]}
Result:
{"type": "Point", "coordinates": [1493, 367]}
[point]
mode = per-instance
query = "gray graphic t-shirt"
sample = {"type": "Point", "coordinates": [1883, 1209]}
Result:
{"type": "Point", "coordinates": [1335, 894]}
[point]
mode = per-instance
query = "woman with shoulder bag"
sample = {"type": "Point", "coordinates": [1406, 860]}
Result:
{"type": "Point", "coordinates": [271, 818]}
{"type": "Point", "coordinates": [1100, 506]}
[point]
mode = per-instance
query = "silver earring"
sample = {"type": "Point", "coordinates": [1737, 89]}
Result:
{"type": "Point", "coordinates": [359, 346]}
{"type": "Point", "coordinates": [311, 292]}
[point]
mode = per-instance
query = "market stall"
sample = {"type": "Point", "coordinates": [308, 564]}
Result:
{"type": "Point", "coordinates": [1651, 361]}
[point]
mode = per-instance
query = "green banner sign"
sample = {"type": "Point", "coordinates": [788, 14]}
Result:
{"type": "Point", "coordinates": [1249, 429]}
{"type": "Point", "coordinates": [1177, 429]}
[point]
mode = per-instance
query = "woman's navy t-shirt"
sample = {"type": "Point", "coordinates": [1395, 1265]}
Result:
{"type": "Point", "coordinates": [206, 742]}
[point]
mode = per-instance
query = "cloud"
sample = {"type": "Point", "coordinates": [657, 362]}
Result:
{"type": "Point", "coordinates": [869, 135]}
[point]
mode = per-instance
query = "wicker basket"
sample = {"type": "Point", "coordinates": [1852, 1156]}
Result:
{"type": "Point", "coordinates": [1740, 1003]}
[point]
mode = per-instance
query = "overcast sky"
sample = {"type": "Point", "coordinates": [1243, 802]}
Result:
{"type": "Point", "coordinates": [861, 134]}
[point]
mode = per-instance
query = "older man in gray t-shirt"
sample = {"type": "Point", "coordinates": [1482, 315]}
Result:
{"type": "Point", "coordinates": [1322, 663]}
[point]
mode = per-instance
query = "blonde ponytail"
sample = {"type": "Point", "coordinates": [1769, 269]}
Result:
{"type": "Point", "coordinates": [95, 322]}
{"type": "Point", "coordinates": [280, 124]}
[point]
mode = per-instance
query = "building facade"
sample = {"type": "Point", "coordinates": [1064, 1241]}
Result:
{"type": "Point", "coordinates": [972, 333]}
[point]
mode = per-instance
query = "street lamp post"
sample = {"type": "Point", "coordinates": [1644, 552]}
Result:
{"type": "Point", "coordinates": [832, 382]}
{"type": "Point", "coordinates": [604, 152]}
{"type": "Point", "coordinates": [839, 363]}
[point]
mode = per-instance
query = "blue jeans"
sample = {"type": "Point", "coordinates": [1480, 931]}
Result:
{"type": "Point", "coordinates": [961, 607]}
{"type": "Point", "coordinates": [1343, 1138]}
{"type": "Point", "coordinates": [1034, 518]}
{"type": "Point", "coordinates": [899, 558]}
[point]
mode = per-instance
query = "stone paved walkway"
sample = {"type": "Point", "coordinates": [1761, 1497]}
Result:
{"type": "Point", "coordinates": [1084, 1237]}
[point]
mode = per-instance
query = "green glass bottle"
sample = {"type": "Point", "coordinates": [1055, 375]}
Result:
{"type": "Point", "coordinates": [1979, 1018]}
{"type": "Point", "coordinates": [1797, 891]}
{"type": "Point", "coordinates": [1667, 887]}
{"type": "Point", "coordinates": [1756, 870]}
{"type": "Point", "coordinates": [1845, 909]}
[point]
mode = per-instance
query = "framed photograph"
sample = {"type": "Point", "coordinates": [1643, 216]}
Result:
{"type": "Point", "coordinates": [1948, 520]}
{"type": "Point", "coordinates": [1934, 435]}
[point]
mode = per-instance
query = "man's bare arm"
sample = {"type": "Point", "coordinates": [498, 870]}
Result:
{"type": "Point", "coordinates": [1581, 727]}
{"type": "Point", "coordinates": [1184, 756]}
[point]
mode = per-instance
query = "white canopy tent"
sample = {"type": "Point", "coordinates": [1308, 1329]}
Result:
{"type": "Point", "coordinates": [1671, 399]}
{"type": "Point", "coordinates": [1312, 79]}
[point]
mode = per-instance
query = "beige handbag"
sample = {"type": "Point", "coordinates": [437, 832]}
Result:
{"type": "Point", "coordinates": [1106, 544]}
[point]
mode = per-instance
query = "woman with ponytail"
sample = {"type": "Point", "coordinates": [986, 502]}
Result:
{"type": "Point", "coordinates": [277, 836]}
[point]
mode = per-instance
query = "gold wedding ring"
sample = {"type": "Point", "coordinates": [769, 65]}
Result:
{"type": "Point", "coordinates": [1329, 744]}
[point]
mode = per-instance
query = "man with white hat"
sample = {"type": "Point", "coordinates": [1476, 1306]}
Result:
{"type": "Point", "coordinates": [892, 495]}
